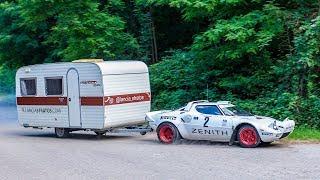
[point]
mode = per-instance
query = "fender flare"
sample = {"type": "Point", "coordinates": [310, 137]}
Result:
{"type": "Point", "coordinates": [173, 125]}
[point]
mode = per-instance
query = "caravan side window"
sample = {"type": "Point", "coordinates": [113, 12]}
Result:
{"type": "Point", "coordinates": [28, 86]}
{"type": "Point", "coordinates": [54, 86]}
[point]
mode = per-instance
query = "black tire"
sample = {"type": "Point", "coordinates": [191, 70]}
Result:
{"type": "Point", "coordinates": [248, 137]}
{"type": "Point", "coordinates": [143, 133]}
{"type": "Point", "coordinates": [165, 130]}
{"type": "Point", "coordinates": [61, 132]}
{"type": "Point", "coordinates": [99, 133]}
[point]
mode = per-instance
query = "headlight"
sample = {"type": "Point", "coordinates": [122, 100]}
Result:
{"type": "Point", "coordinates": [273, 125]}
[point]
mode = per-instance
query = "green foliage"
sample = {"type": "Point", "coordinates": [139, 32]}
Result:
{"type": "Point", "coordinates": [51, 31]}
{"type": "Point", "coordinates": [262, 55]}
{"type": "Point", "coordinates": [307, 42]}
{"type": "Point", "coordinates": [37, 31]}
{"type": "Point", "coordinates": [180, 78]}
{"type": "Point", "coordinates": [7, 79]}
{"type": "Point", "coordinates": [91, 34]}
{"type": "Point", "coordinates": [79, 31]}
{"type": "Point", "coordinates": [173, 81]}
{"type": "Point", "coordinates": [304, 111]}
{"type": "Point", "coordinates": [19, 45]}
{"type": "Point", "coordinates": [242, 35]}
{"type": "Point", "coordinates": [305, 133]}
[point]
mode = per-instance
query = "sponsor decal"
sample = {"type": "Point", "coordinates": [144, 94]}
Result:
{"type": "Point", "coordinates": [90, 82]}
{"type": "Point", "coordinates": [266, 134]}
{"type": "Point", "coordinates": [41, 110]}
{"type": "Point", "coordinates": [224, 122]}
{"type": "Point", "coordinates": [168, 118]}
{"type": "Point", "coordinates": [209, 132]}
{"type": "Point", "coordinates": [109, 100]}
{"type": "Point", "coordinates": [127, 98]}
{"type": "Point", "coordinates": [206, 121]}
{"type": "Point", "coordinates": [120, 99]}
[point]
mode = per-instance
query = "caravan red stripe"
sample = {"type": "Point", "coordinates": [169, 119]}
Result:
{"type": "Point", "coordinates": [86, 101]}
{"type": "Point", "coordinates": [92, 101]}
{"type": "Point", "coordinates": [58, 101]}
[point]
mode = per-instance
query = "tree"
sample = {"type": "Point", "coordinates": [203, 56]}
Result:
{"type": "Point", "coordinates": [50, 31]}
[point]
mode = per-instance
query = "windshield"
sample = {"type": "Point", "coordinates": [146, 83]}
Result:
{"type": "Point", "coordinates": [235, 111]}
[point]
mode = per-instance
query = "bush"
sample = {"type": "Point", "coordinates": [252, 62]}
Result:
{"type": "Point", "coordinates": [181, 78]}
{"type": "Point", "coordinates": [305, 112]}
{"type": "Point", "coordinates": [175, 81]}
{"type": "Point", "coordinates": [7, 80]}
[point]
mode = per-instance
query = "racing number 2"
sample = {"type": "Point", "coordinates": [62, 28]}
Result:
{"type": "Point", "coordinates": [206, 122]}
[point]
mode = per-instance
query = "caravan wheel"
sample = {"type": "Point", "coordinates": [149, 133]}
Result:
{"type": "Point", "coordinates": [61, 132]}
{"type": "Point", "coordinates": [99, 133]}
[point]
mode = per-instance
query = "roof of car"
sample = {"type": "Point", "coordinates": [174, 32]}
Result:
{"type": "Point", "coordinates": [205, 102]}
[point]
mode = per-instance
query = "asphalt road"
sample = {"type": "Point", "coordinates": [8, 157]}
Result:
{"type": "Point", "coordinates": [37, 154]}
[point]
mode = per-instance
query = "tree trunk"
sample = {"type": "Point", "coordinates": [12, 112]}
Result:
{"type": "Point", "coordinates": [154, 41]}
{"type": "Point", "coordinates": [303, 82]}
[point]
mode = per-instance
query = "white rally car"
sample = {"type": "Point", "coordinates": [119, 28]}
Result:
{"type": "Point", "coordinates": [217, 121]}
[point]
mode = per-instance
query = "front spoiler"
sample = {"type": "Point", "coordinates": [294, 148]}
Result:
{"type": "Point", "coordinates": [285, 128]}
{"type": "Point", "coordinates": [285, 135]}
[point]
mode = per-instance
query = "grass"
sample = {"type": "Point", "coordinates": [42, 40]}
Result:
{"type": "Point", "coordinates": [305, 134]}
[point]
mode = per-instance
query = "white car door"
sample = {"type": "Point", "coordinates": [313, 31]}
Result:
{"type": "Point", "coordinates": [208, 123]}
{"type": "Point", "coordinates": [191, 126]}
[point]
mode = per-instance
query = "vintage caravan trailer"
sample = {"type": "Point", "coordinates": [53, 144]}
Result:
{"type": "Point", "coordinates": [92, 95]}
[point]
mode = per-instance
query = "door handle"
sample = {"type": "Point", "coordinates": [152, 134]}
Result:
{"type": "Point", "coordinates": [69, 99]}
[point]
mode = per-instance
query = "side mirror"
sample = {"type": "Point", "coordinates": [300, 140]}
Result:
{"type": "Point", "coordinates": [186, 117]}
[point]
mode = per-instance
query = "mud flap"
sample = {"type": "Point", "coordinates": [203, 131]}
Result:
{"type": "Point", "coordinates": [233, 137]}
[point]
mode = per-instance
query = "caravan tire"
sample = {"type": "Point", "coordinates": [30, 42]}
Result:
{"type": "Point", "coordinates": [99, 133]}
{"type": "Point", "coordinates": [61, 132]}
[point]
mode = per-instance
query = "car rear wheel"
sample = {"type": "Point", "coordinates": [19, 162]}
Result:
{"type": "Point", "coordinates": [168, 133]}
{"type": "Point", "coordinates": [248, 137]}
{"type": "Point", "coordinates": [61, 132]}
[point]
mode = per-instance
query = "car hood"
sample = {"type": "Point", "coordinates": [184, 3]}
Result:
{"type": "Point", "coordinates": [258, 119]}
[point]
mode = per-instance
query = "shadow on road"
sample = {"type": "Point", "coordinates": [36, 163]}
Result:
{"type": "Point", "coordinates": [73, 136]}
{"type": "Point", "coordinates": [215, 144]}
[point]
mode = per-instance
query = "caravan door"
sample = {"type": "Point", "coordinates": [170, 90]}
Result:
{"type": "Point", "coordinates": [73, 98]}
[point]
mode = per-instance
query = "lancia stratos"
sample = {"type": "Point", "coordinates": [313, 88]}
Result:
{"type": "Point", "coordinates": [217, 121]}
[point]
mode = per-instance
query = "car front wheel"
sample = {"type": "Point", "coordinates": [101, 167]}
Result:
{"type": "Point", "coordinates": [248, 137]}
{"type": "Point", "coordinates": [168, 133]}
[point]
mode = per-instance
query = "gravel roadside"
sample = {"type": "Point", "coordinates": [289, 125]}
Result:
{"type": "Point", "coordinates": [36, 154]}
